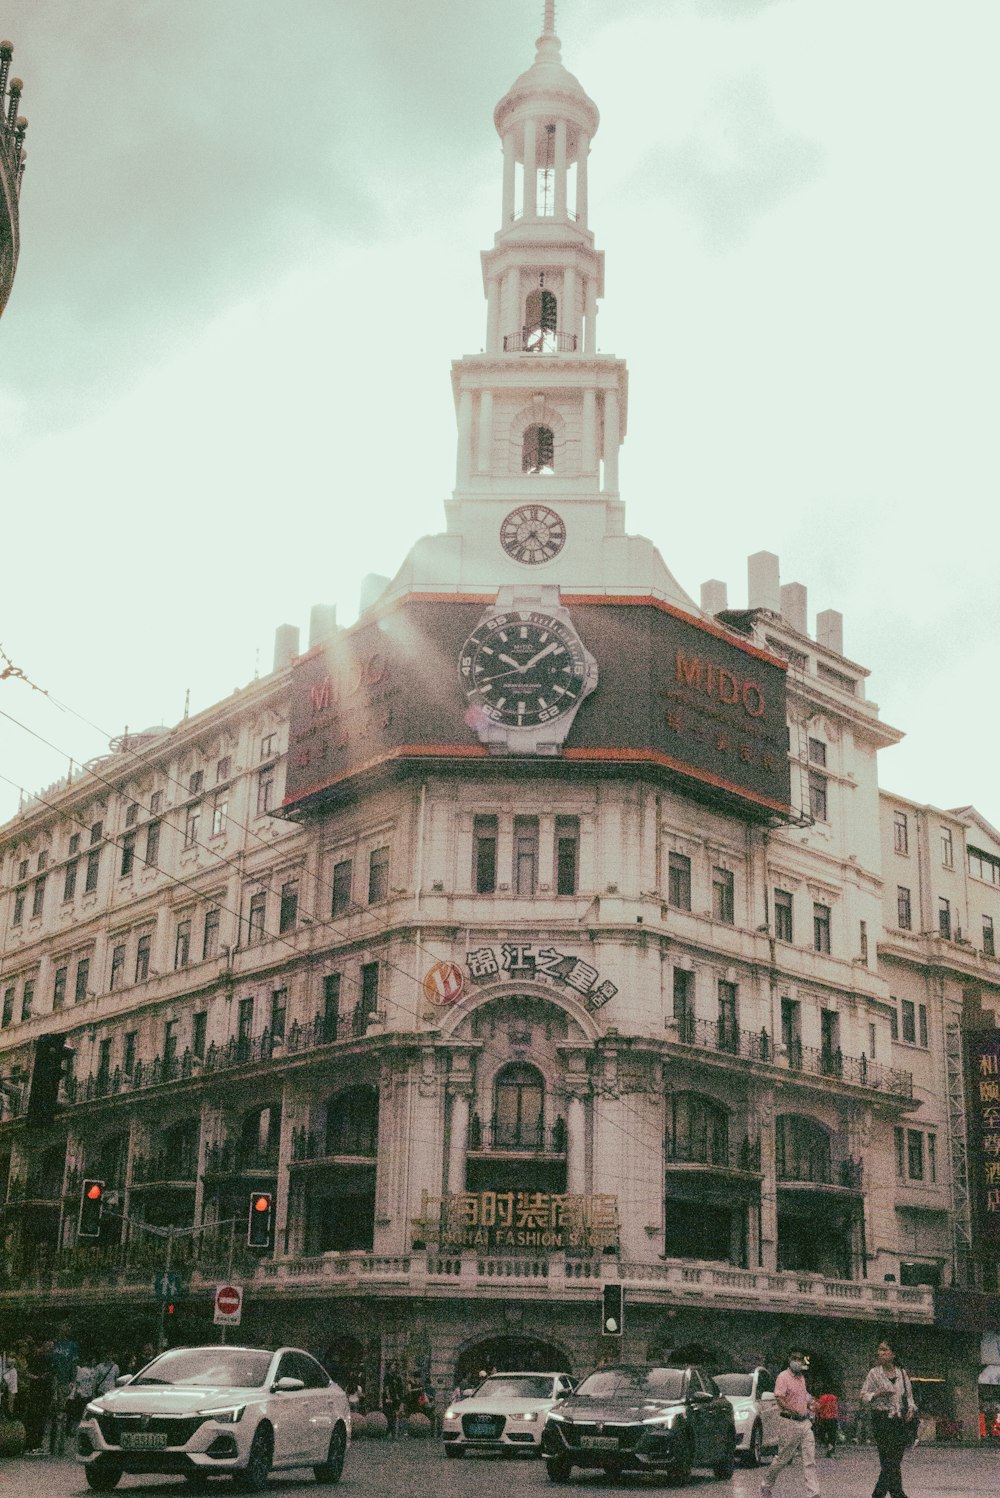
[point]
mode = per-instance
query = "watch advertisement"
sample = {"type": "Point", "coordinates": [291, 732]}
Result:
{"type": "Point", "coordinates": [443, 677]}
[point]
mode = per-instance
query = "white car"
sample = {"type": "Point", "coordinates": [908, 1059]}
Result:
{"type": "Point", "coordinates": [756, 1410]}
{"type": "Point", "coordinates": [197, 1411]}
{"type": "Point", "coordinates": [505, 1413]}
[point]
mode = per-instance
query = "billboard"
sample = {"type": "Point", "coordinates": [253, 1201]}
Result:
{"type": "Point", "coordinates": [982, 1051]}
{"type": "Point", "coordinates": [672, 692]}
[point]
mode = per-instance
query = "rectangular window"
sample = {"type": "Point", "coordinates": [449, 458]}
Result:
{"type": "Point", "coordinates": [947, 848]}
{"type": "Point", "coordinates": [117, 967]}
{"type": "Point", "coordinates": [894, 1024]}
{"type": "Point", "coordinates": [830, 1058]}
{"type": "Point", "coordinates": [258, 913]}
{"type": "Point", "coordinates": [783, 915]}
{"type": "Point", "coordinates": [863, 943]}
{"type": "Point", "coordinates": [871, 1042]}
{"type": "Point", "coordinates": [567, 854]}
{"type": "Point", "coordinates": [131, 814]}
{"type": "Point", "coordinates": [82, 979]}
{"type": "Point", "coordinates": [8, 1008]}
{"type": "Point", "coordinates": [152, 845]}
{"type": "Point", "coordinates": [817, 796]}
{"type": "Point", "coordinates": [268, 745]}
{"type": "Point", "coordinates": [43, 860]}
{"type": "Point", "coordinates": [791, 1030]}
{"type": "Point", "coordinates": [914, 1154]}
{"type": "Point", "coordinates": [289, 912]}
{"type": "Point", "coordinates": [28, 1000]}
{"type": "Point", "coordinates": [342, 876]}
{"type": "Point", "coordinates": [821, 928]}
{"type": "Point", "coordinates": [679, 881]}
{"type": "Point", "coordinates": [169, 1043]}
{"type": "Point", "coordinates": [932, 1157]}
{"type": "Point", "coordinates": [198, 1034]}
{"type": "Point", "coordinates": [104, 1060]}
{"type": "Point", "coordinates": [729, 1033]}
{"type": "Point", "coordinates": [922, 1023]}
{"type": "Point", "coordinates": [279, 1009]}
{"type": "Point", "coordinates": [900, 1139]}
{"type": "Point", "coordinates": [222, 769]}
{"type": "Point", "coordinates": [69, 881]}
{"type": "Point", "coordinates": [244, 1019]}
{"type": "Point", "coordinates": [156, 803]}
{"type": "Point", "coordinates": [128, 1057]}
{"type": "Point", "coordinates": [817, 752]}
{"type": "Point", "coordinates": [525, 855]}
{"type": "Point", "coordinates": [38, 897]}
{"type": "Point", "coordinates": [331, 1007]}
{"type": "Point", "coordinates": [59, 987]}
{"type": "Point", "coordinates": [18, 914]}
{"type": "Point", "coordinates": [904, 917]}
{"type": "Point", "coordinates": [989, 942]}
{"type": "Point", "coordinates": [22, 868]}
{"type": "Point", "coordinates": [143, 948]}
{"type": "Point", "coordinates": [684, 1004]}
{"type": "Point", "coordinates": [210, 940]}
{"type": "Point", "coordinates": [93, 870]}
{"type": "Point", "coordinates": [182, 944]}
{"type": "Point", "coordinates": [378, 875]}
{"type": "Point", "coordinates": [191, 819]}
{"type": "Point", "coordinates": [265, 791]}
{"type": "Point", "coordinates": [74, 845]}
{"type": "Point", "coordinates": [220, 814]}
{"type": "Point", "coordinates": [723, 895]}
{"type": "Point", "coordinates": [944, 917]}
{"type": "Point", "coordinates": [484, 855]}
{"type": "Point", "coordinates": [96, 832]}
{"type": "Point", "coordinates": [128, 853]}
{"type": "Point", "coordinates": [368, 1003]}
{"type": "Point", "coordinates": [900, 832]}
{"type": "Point", "coordinates": [909, 1021]}
{"type": "Point", "coordinates": [196, 782]}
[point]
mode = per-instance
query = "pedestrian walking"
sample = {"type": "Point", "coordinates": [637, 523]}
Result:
{"type": "Point", "coordinates": [393, 1394]}
{"type": "Point", "coordinates": [827, 1418]}
{"type": "Point", "coordinates": [795, 1437]}
{"type": "Point", "coordinates": [888, 1394]}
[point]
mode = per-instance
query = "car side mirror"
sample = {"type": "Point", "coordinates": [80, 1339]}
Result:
{"type": "Point", "coordinates": [700, 1396]}
{"type": "Point", "coordinates": [287, 1385]}
{"type": "Point", "coordinates": [123, 1378]}
{"type": "Point", "coordinates": [767, 1394]}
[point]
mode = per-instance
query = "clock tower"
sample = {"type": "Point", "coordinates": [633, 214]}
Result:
{"type": "Point", "coordinates": [541, 413]}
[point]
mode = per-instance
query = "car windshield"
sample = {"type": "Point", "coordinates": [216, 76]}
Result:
{"type": "Point", "coordinates": [642, 1383]}
{"type": "Point", "coordinates": [207, 1367]}
{"type": "Point", "coordinates": [531, 1387]}
{"type": "Point", "coordinates": [740, 1385]}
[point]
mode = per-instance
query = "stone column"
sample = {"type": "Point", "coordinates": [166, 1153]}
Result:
{"type": "Point", "coordinates": [589, 456]}
{"type": "Point", "coordinates": [569, 322]}
{"type": "Point", "coordinates": [485, 451]}
{"type": "Point", "coordinates": [582, 152]}
{"type": "Point", "coordinates": [611, 441]}
{"type": "Point", "coordinates": [530, 209]}
{"type": "Point", "coordinates": [509, 161]}
{"type": "Point", "coordinates": [464, 462]}
{"type": "Point", "coordinates": [493, 315]}
{"type": "Point", "coordinates": [460, 1093]}
{"type": "Point", "coordinates": [576, 1145]}
{"type": "Point", "coordinates": [511, 315]}
{"type": "Point", "coordinates": [590, 314]}
{"type": "Point", "coordinates": [560, 171]}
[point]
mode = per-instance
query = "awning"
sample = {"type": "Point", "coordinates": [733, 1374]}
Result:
{"type": "Point", "coordinates": [990, 1375]}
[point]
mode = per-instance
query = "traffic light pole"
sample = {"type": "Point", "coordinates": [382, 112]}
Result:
{"type": "Point", "coordinates": [229, 1267]}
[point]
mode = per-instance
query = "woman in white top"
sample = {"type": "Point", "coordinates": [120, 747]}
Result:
{"type": "Point", "coordinates": [888, 1393]}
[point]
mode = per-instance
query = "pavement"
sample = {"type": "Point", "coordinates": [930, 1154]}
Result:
{"type": "Point", "coordinates": [417, 1469]}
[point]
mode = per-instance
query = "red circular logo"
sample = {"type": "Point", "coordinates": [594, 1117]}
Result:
{"type": "Point", "coordinates": [227, 1299]}
{"type": "Point", "coordinates": [444, 983]}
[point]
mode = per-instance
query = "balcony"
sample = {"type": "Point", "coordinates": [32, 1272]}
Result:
{"type": "Point", "coordinates": [757, 1045]}
{"type": "Point", "coordinates": [714, 1154]}
{"type": "Point", "coordinates": [539, 341]}
{"type": "Point", "coordinates": [846, 1174]}
{"type": "Point", "coordinates": [164, 1169]}
{"type": "Point", "coordinates": [498, 1137]}
{"type": "Point", "coordinates": [230, 1158]}
{"type": "Point", "coordinates": [312, 1145]}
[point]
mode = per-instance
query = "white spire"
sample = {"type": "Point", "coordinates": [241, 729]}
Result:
{"type": "Point", "coordinates": [549, 18]}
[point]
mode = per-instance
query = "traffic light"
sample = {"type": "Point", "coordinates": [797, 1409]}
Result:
{"type": "Point", "coordinates": [51, 1053]}
{"type": "Point", "coordinates": [260, 1223]}
{"type": "Point", "coordinates": [91, 1207]}
{"type": "Point", "coordinates": [612, 1311]}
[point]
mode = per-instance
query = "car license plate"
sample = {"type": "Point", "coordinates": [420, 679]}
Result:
{"type": "Point", "coordinates": [480, 1429]}
{"type": "Point", "coordinates": [599, 1443]}
{"type": "Point", "coordinates": [143, 1440]}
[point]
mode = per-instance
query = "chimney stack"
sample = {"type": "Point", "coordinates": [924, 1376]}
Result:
{"type": "Point", "coordinates": [286, 645]}
{"type": "Point", "coordinates": [793, 607]}
{"type": "Point", "coordinates": [713, 596]}
{"type": "Point", "coordinates": [830, 630]}
{"type": "Point", "coordinates": [322, 623]}
{"type": "Point", "coordinates": [763, 585]}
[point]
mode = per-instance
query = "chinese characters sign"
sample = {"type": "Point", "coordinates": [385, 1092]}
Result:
{"type": "Point", "coordinates": [983, 1052]}
{"type": "Point", "coordinates": [519, 959]}
{"type": "Point", "coordinates": [519, 1219]}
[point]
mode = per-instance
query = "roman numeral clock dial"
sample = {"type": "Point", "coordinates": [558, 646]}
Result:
{"type": "Point", "coordinates": [533, 534]}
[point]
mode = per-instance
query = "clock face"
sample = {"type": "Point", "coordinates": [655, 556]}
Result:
{"type": "Point", "coordinates": [532, 534]}
{"type": "Point", "coordinates": [524, 668]}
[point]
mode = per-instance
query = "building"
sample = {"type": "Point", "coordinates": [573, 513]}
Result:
{"type": "Point", "coordinates": [12, 158]}
{"type": "Point", "coordinates": [527, 938]}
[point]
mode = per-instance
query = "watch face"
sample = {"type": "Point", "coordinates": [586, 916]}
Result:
{"type": "Point", "coordinates": [532, 534]}
{"type": "Point", "coordinates": [523, 668]}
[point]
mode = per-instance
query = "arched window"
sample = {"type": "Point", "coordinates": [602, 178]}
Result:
{"type": "Point", "coordinates": [697, 1129]}
{"type": "Point", "coordinates": [518, 1108]}
{"type": "Point", "coordinates": [352, 1122]}
{"type": "Point", "coordinates": [260, 1135]}
{"type": "Point", "coordinates": [180, 1149]}
{"type": "Point", "coordinates": [112, 1154]}
{"type": "Point", "coordinates": [540, 313]}
{"type": "Point", "coordinates": [802, 1149]}
{"type": "Point", "coordinates": [538, 450]}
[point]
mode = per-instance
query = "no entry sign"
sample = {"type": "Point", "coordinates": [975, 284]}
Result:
{"type": "Point", "coordinates": [228, 1305]}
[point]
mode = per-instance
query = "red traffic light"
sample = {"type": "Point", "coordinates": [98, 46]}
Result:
{"type": "Point", "coordinates": [262, 1204]}
{"type": "Point", "coordinates": [260, 1219]}
{"type": "Point", "coordinates": [94, 1191]}
{"type": "Point", "coordinates": [91, 1208]}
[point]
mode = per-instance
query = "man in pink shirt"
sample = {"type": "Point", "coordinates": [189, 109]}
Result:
{"type": "Point", "coordinates": [796, 1435]}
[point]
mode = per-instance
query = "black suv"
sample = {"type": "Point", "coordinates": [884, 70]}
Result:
{"type": "Point", "coordinates": [640, 1417]}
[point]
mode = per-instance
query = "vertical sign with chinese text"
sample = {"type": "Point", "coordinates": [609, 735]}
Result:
{"type": "Point", "coordinates": [983, 1093]}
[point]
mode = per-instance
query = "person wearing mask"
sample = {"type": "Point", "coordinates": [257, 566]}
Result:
{"type": "Point", "coordinates": [796, 1439]}
{"type": "Point", "coordinates": [888, 1394]}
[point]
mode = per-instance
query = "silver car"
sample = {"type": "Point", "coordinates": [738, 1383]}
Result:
{"type": "Point", "coordinates": [756, 1410]}
{"type": "Point", "coordinates": [198, 1411]}
{"type": "Point", "coordinates": [506, 1413]}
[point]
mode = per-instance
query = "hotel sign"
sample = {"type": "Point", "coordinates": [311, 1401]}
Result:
{"type": "Point", "coordinates": [520, 959]}
{"type": "Point", "coordinates": [548, 1220]}
{"type": "Point", "coordinates": [983, 1092]}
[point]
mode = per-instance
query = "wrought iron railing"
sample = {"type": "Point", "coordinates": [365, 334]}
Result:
{"type": "Point", "coordinates": [757, 1045]}
{"type": "Point", "coordinates": [539, 341]}
{"type": "Point", "coordinates": [744, 1155]}
{"type": "Point", "coordinates": [316, 1144]}
{"type": "Point", "coordinates": [502, 1135]}
{"type": "Point", "coordinates": [166, 1165]}
{"type": "Point", "coordinates": [820, 1170]}
{"type": "Point", "coordinates": [230, 1157]}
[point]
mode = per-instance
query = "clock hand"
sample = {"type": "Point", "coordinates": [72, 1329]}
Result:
{"type": "Point", "coordinates": [508, 662]}
{"type": "Point", "coordinates": [552, 645]}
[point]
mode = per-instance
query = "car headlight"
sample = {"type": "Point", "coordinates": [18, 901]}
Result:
{"type": "Point", "coordinates": [451, 1414]}
{"type": "Point", "coordinates": [91, 1411]}
{"type": "Point", "coordinates": [742, 1416]}
{"type": "Point", "coordinates": [227, 1416]}
{"type": "Point", "coordinates": [665, 1421]}
{"type": "Point", "coordinates": [527, 1415]}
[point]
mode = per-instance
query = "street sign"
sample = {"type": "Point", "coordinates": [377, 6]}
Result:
{"type": "Point", "coordinates": [228, 1305]}
{"type": "Point", "coordinates": [167, 1286]}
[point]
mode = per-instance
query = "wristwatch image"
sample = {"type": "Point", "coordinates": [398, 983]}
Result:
{"type": "Point", "coordinates": [525, 671]}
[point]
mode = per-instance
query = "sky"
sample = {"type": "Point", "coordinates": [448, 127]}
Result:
{"type": "Point", "coordinates": [250, 242]}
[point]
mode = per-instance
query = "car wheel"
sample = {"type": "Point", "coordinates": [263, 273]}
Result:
{"type": "Point", "coordinates": [253, 1478]}
{"type": "Point", "coordinates": [102, 1478]}
{"type": "Point", "coordinates": [680, 1467]}
{"type": "Point", "coordinates": [330, 1470]}
{"type": "Point", "coordinates": [725, 1468]}
{"type": "Point", "coordinates": [558, 1468]}
{"type": "Point", "coordinates": [756, 1447]}
{"type": "Point", "coordinates": [454, 1452]}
